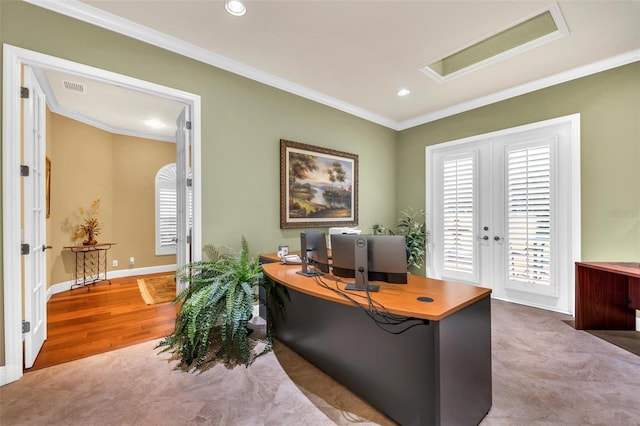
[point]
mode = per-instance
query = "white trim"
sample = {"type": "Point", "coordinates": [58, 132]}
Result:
{"type": "Point", "coordinates": [586, 70]}
{"type": "Point", "coordinates": [11, 216]}
{"type": "Point", "coordinates": [517, 129]}
{"type": "Point", "coordinates": [108, 128]}
{"type": "Point", "coordinates": [533, 305]}
{"type": "Point", "coordinates": [575, 236]}
{"type": "Point", "coordinates": [64, 286]}
{"type": "Point", "coordinates": [637, 323]}
{"type": "Point", "coordinates": [97, 17]}
{"type": "Point", "coordinates": [54, 106]}
{"type": "Point", "coordinates": [562, 31]}
{"type": "Point", "coordinates": [13, 58]}
{"type": "Point", "coordinates": [575, 241]}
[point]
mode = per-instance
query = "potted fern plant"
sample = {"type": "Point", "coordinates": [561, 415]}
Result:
{"type": "Point", "coordinates": [211, 325]}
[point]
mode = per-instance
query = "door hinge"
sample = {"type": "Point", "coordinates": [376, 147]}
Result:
{"type": "Point", "coordinates": [24, 92]}
{"type": "Point", "coordinates": [188, 124]}
{"type": "Point", "coordinates": [24, 249]}
{"type": "Point", "coordinates": [24, 170]}
{"type": "Point", "coordinates": [189, 182]}
{"type": "Point", "coordinates": [26, 326]}
{"type": "Point", "coordinates": [188, 239]}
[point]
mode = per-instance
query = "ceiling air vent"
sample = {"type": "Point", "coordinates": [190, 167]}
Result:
{"type": "Point", "coordinates": [527, 34]}
{"type": "Point", "coordinates": [73, 86]}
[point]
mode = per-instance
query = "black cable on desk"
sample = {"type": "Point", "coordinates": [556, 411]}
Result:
{"type": "Point", "coordinates": [378, 314]}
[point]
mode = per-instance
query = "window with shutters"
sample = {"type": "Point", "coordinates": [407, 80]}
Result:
{"type": "Point", "coordinates": [503, 211]}
{"type": "Point", "coordinates": [458, 215]}
{"type": "Point", "coordinates": [529, 189]}
{"type": "Point", "coordinates": [166, 210]}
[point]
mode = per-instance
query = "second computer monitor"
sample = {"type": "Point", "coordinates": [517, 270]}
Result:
{"type": "Point", "coordinates": [386, 257]}
{"type": "Point", "coordinates": [313, 247]}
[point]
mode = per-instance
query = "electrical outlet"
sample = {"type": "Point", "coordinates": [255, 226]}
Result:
{"type": "Point", "coordinates": [115, 263]}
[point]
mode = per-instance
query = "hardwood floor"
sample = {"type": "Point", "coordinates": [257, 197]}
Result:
{"type": "Point", "coordinates": [82, 323]}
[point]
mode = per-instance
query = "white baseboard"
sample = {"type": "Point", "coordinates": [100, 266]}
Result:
{"type": "Point", "coordinates": [64, 286]}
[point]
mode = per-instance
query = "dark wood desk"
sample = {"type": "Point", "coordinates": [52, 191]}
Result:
{"type": "Point", "coordinates": [436, 372]}
{"type": "Point", "coordinates": [607, 295]}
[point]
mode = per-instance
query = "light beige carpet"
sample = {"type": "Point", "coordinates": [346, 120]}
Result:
{"type": "Point", "coordinates": [158, 289]}
{"type": "Point", "coordinates": [545, 373]}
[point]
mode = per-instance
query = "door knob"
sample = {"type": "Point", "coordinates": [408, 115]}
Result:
{"type": "Point", "coordinates": [44, 247]}
{"type": "Point", "coordinates": [496, 238]}
{"type": "Point", "coordinates": [486, 237]}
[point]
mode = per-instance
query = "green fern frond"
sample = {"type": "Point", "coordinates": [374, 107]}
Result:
{"type": "Point", "coordinates": [211, 325]}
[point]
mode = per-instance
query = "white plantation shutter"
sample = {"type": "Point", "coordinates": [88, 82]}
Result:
{"type": "Point", "coordinates": [458, 214]}
{"type": "Point", "coordinates": [166, 210]}
{"type": "Point", "coordinates": [529, 188]}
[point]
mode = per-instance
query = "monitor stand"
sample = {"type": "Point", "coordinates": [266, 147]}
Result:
{"type": "Point", "coordinates": [370, 287]}
{"type": "Point", "coordinates": [307, 272]}
{"type": "Point", "coordinates": [362, 272]}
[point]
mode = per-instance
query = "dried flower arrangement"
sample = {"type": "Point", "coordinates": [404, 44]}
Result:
{"type": "Point", "coordinates": [91, 226]}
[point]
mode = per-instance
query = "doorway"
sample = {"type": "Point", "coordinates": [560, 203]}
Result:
{"type": "Point", "coordinates": [14, 59]}
{"type": "Point", "coordinates": [503, 212]}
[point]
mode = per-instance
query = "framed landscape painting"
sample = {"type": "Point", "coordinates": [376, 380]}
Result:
{"type": "Point", "coordinates": [318, 186]}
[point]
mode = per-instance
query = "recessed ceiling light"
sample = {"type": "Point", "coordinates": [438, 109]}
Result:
{"type": "Point", "coordinates": [403, 92]}
{"type": "Point", "coordinates": [235, 7]}
{"type": "Point", "coordinates": [155, 124]}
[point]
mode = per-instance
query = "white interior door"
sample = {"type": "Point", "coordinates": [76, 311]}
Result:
{"type": "Point", "coordinates": [184, 191]}
{"type": "Point", "coordinates": [501, 212]}
{"type": "Point", "coordinates": [34, 217]}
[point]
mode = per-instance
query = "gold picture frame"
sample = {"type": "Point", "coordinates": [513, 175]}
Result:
{"type": "Point", "coordinates": [318, 186]}
{"type": "Point", "coordinates": [48, 184]}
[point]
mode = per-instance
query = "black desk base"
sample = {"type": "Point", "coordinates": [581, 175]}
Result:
{"type": "Point", "coordinates": [438, 373]}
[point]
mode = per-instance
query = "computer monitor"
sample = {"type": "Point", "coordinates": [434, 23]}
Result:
{"type": "Point", "coordinates": [313, 252]}
{"type": "Point", "coordinates": [385, 257]}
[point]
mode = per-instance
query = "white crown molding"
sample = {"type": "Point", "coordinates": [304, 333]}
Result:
{"type": "Point", "coordinates": [586, 70]}
{"type": "Point", "coordinates": [94, 16]}
{"type": "Point", "coordinates": [54, 106]}
{"type": "Point", "coordinates": [108, 128]}
{"type": "Point", "coordinates": [562, 31]}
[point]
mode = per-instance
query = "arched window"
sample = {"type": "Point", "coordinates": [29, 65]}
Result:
{"type": "Point", "coordinates": [166, 210]}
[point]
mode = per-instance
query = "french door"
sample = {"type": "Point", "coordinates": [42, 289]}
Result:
{"type": "Point", "coordinates": [503, 212]}
{"type": "Point", "coordinates": [184, 193]}
{"type": "Point", "coordinates": [34, 216]}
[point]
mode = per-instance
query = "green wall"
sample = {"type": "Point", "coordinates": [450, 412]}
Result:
{"type": "Point", "coordinates": [609, 104]}
{"type": "Point", "coordinates": [242, 124]}
{"type": "Point", "coordinates": [243, 121]}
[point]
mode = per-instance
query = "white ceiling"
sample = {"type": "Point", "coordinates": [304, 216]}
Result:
{"type": "Point", "coordinates": [355, 55]}
{"type": "Point", "coordinates": [109, 107]}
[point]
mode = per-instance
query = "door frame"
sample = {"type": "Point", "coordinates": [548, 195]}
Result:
{"type": "Point", "coordinates": [575, 218]}
{"type": "Point", "coordinates": [13, 59]}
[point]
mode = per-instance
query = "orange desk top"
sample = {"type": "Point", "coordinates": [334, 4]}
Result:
{"type": "Point", "coordinates": [400, 299]}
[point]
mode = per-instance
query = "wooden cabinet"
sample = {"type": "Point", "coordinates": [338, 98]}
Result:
{"type": "Point", "coordinates": [607, 295]}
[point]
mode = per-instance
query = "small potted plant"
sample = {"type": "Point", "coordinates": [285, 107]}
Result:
{"type": "Point", "coordinates": [91, 226]}
{"type": "Point", "coordinates": [415, 235]}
